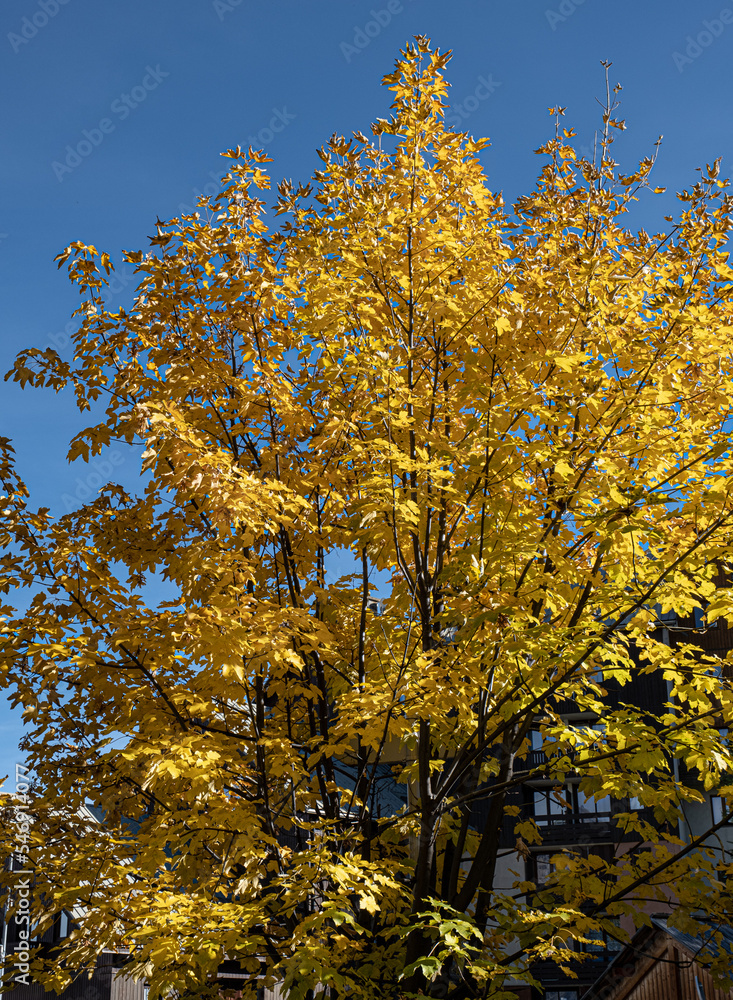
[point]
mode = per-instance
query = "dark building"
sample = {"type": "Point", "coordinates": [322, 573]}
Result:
{"type": "Point", "coordinates": [569, 822]}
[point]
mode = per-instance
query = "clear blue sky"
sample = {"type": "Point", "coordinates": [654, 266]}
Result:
{"type": "Point", "coordinates": [154, 90]}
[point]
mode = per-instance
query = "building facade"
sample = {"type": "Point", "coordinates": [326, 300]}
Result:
{"type": "Point", "coordinates": [662, 963]}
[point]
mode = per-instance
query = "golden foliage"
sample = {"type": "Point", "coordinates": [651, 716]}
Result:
{"type": "Point", "coordinates": [510, 423]}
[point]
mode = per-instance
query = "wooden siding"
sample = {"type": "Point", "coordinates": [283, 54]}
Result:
{"type": "Point", "coordinates": [664, 971]}
{"type": "Point", "coordinates": [126, 988]}
{"type": "Point", "coordinates": [104, 984]}
{"type": "Point", "coordinates": [83, 988]}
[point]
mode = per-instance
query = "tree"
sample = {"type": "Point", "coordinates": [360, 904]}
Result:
{"type": "Point", "coordinates": [511, 425]}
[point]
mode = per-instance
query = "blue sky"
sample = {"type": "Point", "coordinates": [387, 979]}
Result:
{"type": "Point", "coordinates": [115, 113]}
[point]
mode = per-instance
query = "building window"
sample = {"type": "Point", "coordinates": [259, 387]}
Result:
{"type": "Point", "coordinates": [561, 995]}
{"type": "Point", "coordinates": [543, 869]}
{"type": "Point", "coordinates": [701, 620]}
{"type": "Point", "coordinates": [61, 929]}
{"type": "Point", "coordinates": [554, 806]}
{"type": "Point", "coordinates": [591, 809]}
{"type": "Point", "coordinates": [601, 944]}
{"type": "Point", "coordinates": [667, 617]}
{"type": "Point", "coordinates": [718, 808]}
{"type": "Point", "coordinates": [549, 806]}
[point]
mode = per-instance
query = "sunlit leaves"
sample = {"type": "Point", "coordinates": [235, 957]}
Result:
{"type": "Point", "coordinates": [510, 425]}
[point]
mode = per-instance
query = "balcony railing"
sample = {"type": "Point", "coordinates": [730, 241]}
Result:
{"type": "Point", "coordinates": [573, 819]}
